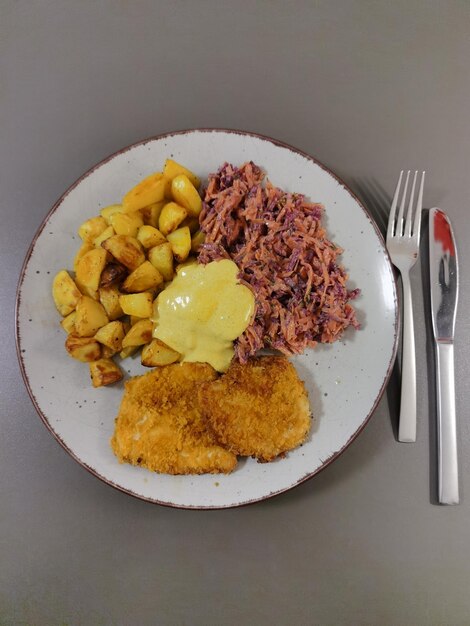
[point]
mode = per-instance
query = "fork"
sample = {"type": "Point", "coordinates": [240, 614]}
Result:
{"type": "Point", "coordinates": [403, 235]}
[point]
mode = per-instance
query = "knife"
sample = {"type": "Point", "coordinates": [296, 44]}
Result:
{"type": "Point", "coordinates": [444, 286]}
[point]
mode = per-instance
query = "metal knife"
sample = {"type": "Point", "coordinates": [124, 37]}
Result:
{"type": "Point", "coordinates": [444, 285]}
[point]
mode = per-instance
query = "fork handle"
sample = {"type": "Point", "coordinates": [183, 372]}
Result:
{"type": "Point", "coordinates": [407, 424]}
{"type": "Point", "coordinates": [448, 481]}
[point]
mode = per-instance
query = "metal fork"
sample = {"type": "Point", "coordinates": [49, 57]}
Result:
{"type": "Point", "coordinates": [403, 246]}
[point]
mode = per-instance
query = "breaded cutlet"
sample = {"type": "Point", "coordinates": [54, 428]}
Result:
{"type": "Point", "coordinates": [160, 424]}
{"type": "Point", "coordinates": [258, 409]}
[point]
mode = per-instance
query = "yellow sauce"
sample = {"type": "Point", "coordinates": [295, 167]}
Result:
{"type": "Point", "coordinates": [202, 311]}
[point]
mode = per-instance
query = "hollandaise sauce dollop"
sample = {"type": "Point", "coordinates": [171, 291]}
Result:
{"type": "Point", "coordinates": [202, 311]}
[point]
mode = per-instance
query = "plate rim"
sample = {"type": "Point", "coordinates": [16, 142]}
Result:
{"type": "Point", "coordinates": [143, 142]}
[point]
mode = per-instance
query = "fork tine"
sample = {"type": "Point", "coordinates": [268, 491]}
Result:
{"type": "Point", "coordinates": [409, 214]}
{"type": "Point", "coordinates": [393, 209]}
{"type": "Point", "coordinates": [419, 208]}
{"type": "Point", "coordinates": [399, 230]}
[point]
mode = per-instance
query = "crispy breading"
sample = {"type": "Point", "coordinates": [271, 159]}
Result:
{"type": "Point", "coordinates": [160, 424]}
{"type": "Point", "coordinates": [258, 409]}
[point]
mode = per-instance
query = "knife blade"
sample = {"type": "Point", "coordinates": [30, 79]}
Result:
{"type": "Point", "coordinates": [444, 288]}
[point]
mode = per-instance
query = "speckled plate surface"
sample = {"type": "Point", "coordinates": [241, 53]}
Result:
{"type": "Point", "coordinates": [345, 380]}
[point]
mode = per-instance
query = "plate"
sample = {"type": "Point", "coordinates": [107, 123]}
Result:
{"type": "Point", "coordinates": [345, 380]}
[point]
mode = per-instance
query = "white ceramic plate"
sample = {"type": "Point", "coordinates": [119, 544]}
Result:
{"type": "Point", "coordinates": [345, 380]}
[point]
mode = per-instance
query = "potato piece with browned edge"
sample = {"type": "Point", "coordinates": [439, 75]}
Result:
{"type": "Point", "coordinates": [127, 250]}
{"type": "Point", "coordinates": [180, 241]}
{"type": "Point", "coordinates": [126, 223]}
{"type": "Point", "coordinates": [107, 352]}
{"type": "Point", "coordinates": [111, 335]}
{"type": "Point", "coordinates": [65, 292]}
{"type": "Point", "coordinates": [192, 223]}
{"type": "Point", "coordinates": [68, 323]}
{"type": "Point", "coordinates": [151, 213]}
{"type": "Point", "coordinates": [109, 298]}
{"type": "Point", "coordinates": [171, 217]}
{"type": "Point", "coordinates": [110, 210]}
{"type": "Point", "coordinates": [90, 316]}
{"type": "Point", "coordinates": [173, 169]}
{"type": "Point", "coordinates": [161, 257]}
{"type": "Point", "coordinates": [151, 189]}
{"type": "Point", "coordinates": [93, 227]}
{"type": "Point", "coordinates": [197, 240]}
{"type": "Point", "coordinates": [129, 351]}
{"type": "Point", "coordinates": [89, 270]}
{"type": "Point", "coordinates": [84, 248]}
{"type": "Point", "coordinates": [83, 349]}
{"type": "Point", "coordinates": [139, 304]}
{"type": "Point", "coordinates": [104, 372]}
{"type": "Point", "coordinates": [150, 236]}
{"type": "Point", "coordinates": [186, 194]}
{"type": "Point", "coordinates": [139, 334]}
{"type": "Point", "coordinates": [144, 278]}
{"type": "Point", "coordinates": [157, 353]}
{"type": "Point", "coordinates": [106, 234]}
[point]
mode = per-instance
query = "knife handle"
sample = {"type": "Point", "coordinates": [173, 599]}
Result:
{"type": "Point", "coordinates": [448, 482]}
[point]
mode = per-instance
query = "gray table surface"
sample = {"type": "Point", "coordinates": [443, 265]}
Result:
{"type": "Point", "coordinates": [368, 88]}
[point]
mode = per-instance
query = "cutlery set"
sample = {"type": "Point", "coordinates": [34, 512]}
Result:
{"type": "Point", "coordinates": [403, 237]}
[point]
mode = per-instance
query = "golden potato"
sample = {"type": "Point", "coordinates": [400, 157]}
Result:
{"type": "Point", "coordinates": [109, 298]}
{"type": "Point", "coordinates": [84, 248]}
{"type": "Point", "coordinates": [161, 257]}
{"type": "Point", "coordinates": [107, 352]}
{"type": "Point", "coordinates": [106, 234]}
{"type": "Point", "coordinates": [157, 353]}
{"type": "Point", "coordinates": [111, 335]}
{"type": "Point", "coordinates": [192, 223]}
{"type": "Point", "coordinates": [144, 278]}
{"type": "Point", "coordinates": [90, 316]}
{"type": "Point", "coordinates": [65, 292]}
{"type": "Point", "coordinates": [151, 213]}
{"type": "Point", "coordinates": [150, 190]}
{"type": "Point", "coordinates": [127, 250]}
{"type": "Point", "coordinates": [173, 169]}
{"type": "Point", "coordinates": [150, 236]}
{"type": "Point", "coordinates": [139, 304]}
{"type": "Point", "coordinates": [139, 334]}
{"type": "Point", "coordinates": [89, 270]}
{"type": "Point", "coordinates": [93, 227]}
{"type": "Point", "coordinates": [110, 210]}
{"type": "Point", "coordinates": [197, 240]}
{"type": "Point", "coordinates": [126, 223]}
{"type": "Point", "coordinates": [129, 351]}
{"type": "Point", "coordinates": [185, 194]}
{"type": "Point", "coordinates": [180, 241]}
{"type": "Point", "coordinates": [171, 217]}
{"type": "Point", "coordinates": [68, 323]}
{"type": "Point", "coordinates": [83, 348]}
{"type": "Point", "coordinates": [104, 372]}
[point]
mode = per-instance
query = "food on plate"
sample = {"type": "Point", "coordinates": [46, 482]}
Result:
{"type": "Point", "coordinates": [280, 246]}
{"type": "Point", "coordinates": [203, 311]}
{"type": "Point", "coordinates": [161, 426]}
{"type": "Point", "coordinates": [104, 372]}
{"type": "Point", "coordinates": [259, 408]}
{"type": "Point", "coordinates": [65, 293]}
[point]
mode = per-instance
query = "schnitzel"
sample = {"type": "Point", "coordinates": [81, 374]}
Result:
{"type": "Point", "coordinates": [161, 426]}
{"type": "Point", "coordinates": [257, 409]}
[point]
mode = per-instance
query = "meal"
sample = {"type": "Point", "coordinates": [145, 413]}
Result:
{"type": "Point", "coordinates": [201, 282]}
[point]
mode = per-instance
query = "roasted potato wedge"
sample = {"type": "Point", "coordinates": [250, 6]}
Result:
{"type": "Point", "coordinates": [150, 190]}
{"type": "Point", "coordinates": [93, 227]}
{"type": "Point", "coordinates": [150, 236]}
{"type": "Point", "coordinates": [129, 351]}
{"type": "Point", "coordinates": [65, 292]}
{"type": "Point", "coordinates": [180, 241]}
{"type": "Point", "coordinates": [109, 298]}
{"type": "Point", "coordinates": [151, 213]}
{"type": "Point", "coordinates": [173, 169]}
{"type": "Point", "coordinates": [186, 194]}
{"type": "Point", "coordinates": [192, 223]}
{"type": "Point", "coordinates": [171, 217]}
{"type": "Point", "coordinates": [104, 372]}
{"type": "Point", "coordinates": [161, 257]}
{"type": "Point", "coordinates": [90, 317]}
{"type": "Point", "coordinates": [83, 348]}
{"type": "Point", "coordinates": [157, 353]}
{"type": "Point", "coordinates": [126, 223]}
{"type": "Point", "coordinates": [113, 274]}
{"type": "Point", "coordinates": [107, 352]}
{"type": "Point", "coordinates": [139, 304]}
{"type": "Point", "coordinates": [84, 248]}
{"type": "Point", "coordinates": [110, 210]}
{"type": "Point", "coordinates": [144, 278]}
{"type": "Point", "coordinates": [197, 240]}
{"type": "Point", "coordinates": [68, 323]}
{"type": "Point", "coordinates": [111, 335]}
{"type": "Point", "coordinates": [89, 270]}
{"type": "Point", "coordinates": [127, 250]}
{"type": "Point", "coordinates": [106, 234]}
{"type": "Point", "coordinates": [139, 334]}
